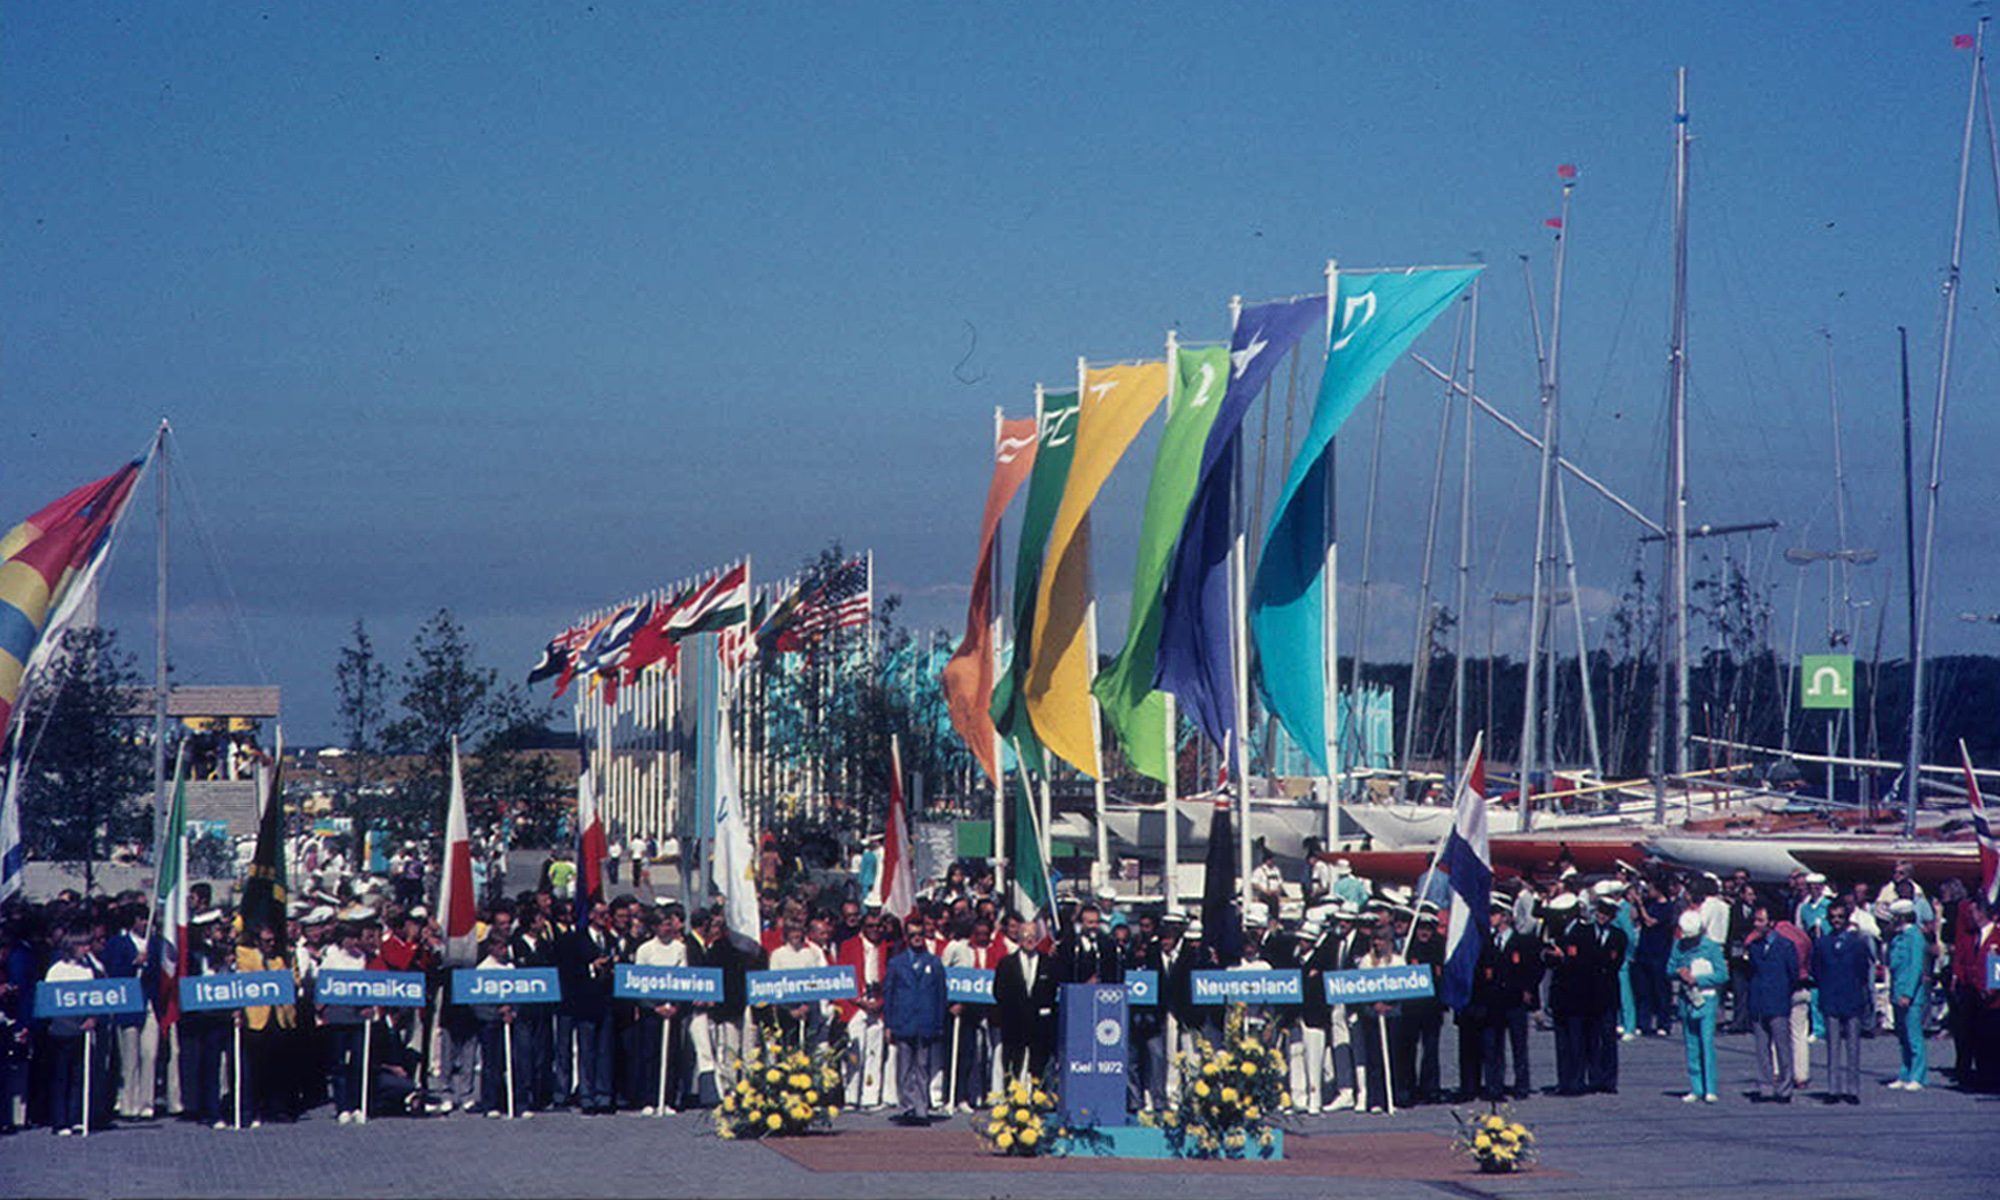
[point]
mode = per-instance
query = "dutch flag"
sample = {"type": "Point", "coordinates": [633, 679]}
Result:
{"type": "Point", "coordinates": [1466, 862]}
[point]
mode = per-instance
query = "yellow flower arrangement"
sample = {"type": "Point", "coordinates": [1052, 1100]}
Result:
{"type": "Point", "coordinates": [780, 1094]}
{"type": "Point", "coordinates": [1496, 1142]}
{"type": "Point", "coordinates": [1229, 1093]}
{"type": "Point", "coordinates": [1020, 1121]}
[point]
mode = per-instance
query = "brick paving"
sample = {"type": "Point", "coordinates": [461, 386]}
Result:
{"type": "Point", "coordinates": [1934, 1145]}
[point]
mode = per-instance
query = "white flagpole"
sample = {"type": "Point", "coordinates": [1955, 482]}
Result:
{"type": "Point", "coordinates": [1240, 663]}
{"type": "Point", "coordinates": [1329, 618]}
{"type": "Point", "coordinates": [507, 1029]}
{"type": "Point", "coordinates": [1171, 885]}
{"type": "Point", "coordinates": [1102, 868]}
{"type": "Point", "coordinates": [87, 1047]}
{"type": "Point", "coordinates": [367, 1052]}
{"type": "Point", "coordinates": [236, 1069]}
{"type": "Point", "coordinates": [666, 1043]}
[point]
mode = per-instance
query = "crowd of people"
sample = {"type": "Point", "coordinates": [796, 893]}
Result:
{"type": "Point", "coordinates": [1595, 962]}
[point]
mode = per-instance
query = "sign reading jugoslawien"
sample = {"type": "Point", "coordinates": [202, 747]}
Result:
{"type": "Point", "coordinates": [1142, 988]}
{"type": "Point", "coordinates": [1250, 987]}
{"type": "Point", "coordinates": [88, 997]}
{"type": "Point", "coordinates": [1826, 681]}
{"type": "Point", "coordinates": [1378, 984]}
{"type": "Point", "coordinates": [801, 984]}
{"type": "Point", "coordinates": [512, 985]}
{"type": "Point", "coordinates": [384, 989]}
{"type": "Point", "coordinates": [239, 989]}
{"type": "Point", "coordinates": [632, 981]}
{"type": "Point", "coordinates": [968, 985]}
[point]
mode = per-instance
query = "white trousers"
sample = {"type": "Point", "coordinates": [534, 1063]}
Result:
{"type": "Point", "coordinates": [1309, 1068]}
{"type": "Point", "coordinates": [138, 1062]}
{"type": "Point", "coordinates": [867, 1060]}
{"type": "Point", "coordinates": [1801, 1018]}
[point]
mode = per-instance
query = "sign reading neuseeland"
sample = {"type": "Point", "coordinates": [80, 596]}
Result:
{"type": "Point", "coordinates": [1248, 987]}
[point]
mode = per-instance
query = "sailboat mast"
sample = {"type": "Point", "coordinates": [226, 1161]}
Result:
{"type": "Point", "coordinates": [1464, 535]}
{"type": "Point", "coordinates": [1674, 609]}
{"type": "Point", "coordinates": [1920, 616]}
{"type": "Point", "coordinates": [1531, 709]}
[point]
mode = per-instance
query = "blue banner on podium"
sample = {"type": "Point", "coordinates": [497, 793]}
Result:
{"type": "Point", "coordinates": [1094, 1039]}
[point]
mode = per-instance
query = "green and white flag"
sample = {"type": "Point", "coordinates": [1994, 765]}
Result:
{"type": "Point", "coordinates": [1033, 897]}
{"type": "Point", "coordinates": [1056, 445]}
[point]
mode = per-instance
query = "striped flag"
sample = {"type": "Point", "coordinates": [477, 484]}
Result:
{"type": "Point", "coordinates": [1982, 829]}
{"type": "Point", "coordinates": [167, 945]}
{"type": "Point", "coordinates": [1466, 861]}
{"type": "Point", "coordinates": [897, 884]}
{"type": "Point", "coordinates": [842, 600]}
{"type": "Point", "coordinates": [591, 848]}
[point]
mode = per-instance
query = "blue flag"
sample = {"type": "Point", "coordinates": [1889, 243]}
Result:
{"type": "Point", "coordinates": [1193, 660]}
{"type": "Point", "coordinates": [1378, 316]}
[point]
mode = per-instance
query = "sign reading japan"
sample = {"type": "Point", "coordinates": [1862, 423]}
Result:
{"type": "Point", "coordinates": [242, 989]}
{"type": "Point", "coordinates": [1142, 988]}
{"type": "Point", "coordinates": [968, 985]}
{"type": "Point", "coordinates": [511, 985]}
{"type": "Point", "coordinates": [1249, 987]}
{"type": "Point", "coordinates": [802, 984]}
{"type": "Point", "coordinates": [632, 981]}
{"type": "Point", "coordinates": [1378, 984]}
{"type": "Point", "coordinates": [87, 997]}
{"type": "Point", "coordinates": [383, 989]}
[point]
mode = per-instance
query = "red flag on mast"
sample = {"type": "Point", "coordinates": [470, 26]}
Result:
{"type": "Point", "coordinates": [898, 886]}
{"type": "Point", "coordinates": [1982, 829]}
{"type": "Point", "coordinates": [458, 912]}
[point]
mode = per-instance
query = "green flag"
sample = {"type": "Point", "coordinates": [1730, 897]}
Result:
{"type": "Point", "coordinates": [1056, 444]}
{"type": "Point", "coordinates": [1125, 688]}
{"type": "Point", "coordinates": [1032, 894]}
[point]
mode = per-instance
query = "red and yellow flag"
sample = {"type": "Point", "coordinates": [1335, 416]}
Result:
{"type": "Point", "coordinates": [968, 677]}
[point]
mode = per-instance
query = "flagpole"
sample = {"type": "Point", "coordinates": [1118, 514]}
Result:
{"type": "Point", "coordinates": [1240, 659]}
{"type": "Point", "coordinates": [87, 1048]}
{"type": "Point", "coordinates": [1172, 875]}
{"type": "Point", "coordinates": [1101, 869]}
{"type": "Point", "coordinates": [1437, 851]}
{"type": "Point", "coordinates": [1329, 607]}
{"type": "Point", "coordinates": [1464, 535]}
{"type": "Point", "coordinates": [160, 645]}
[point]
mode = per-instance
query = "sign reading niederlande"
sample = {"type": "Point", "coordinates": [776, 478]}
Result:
{"type": "Point", "coordinates": [801, 984]}
{"type": "Point", "coordinates": [1250, 987]}
{"type": "Point", "coordinates": [513, 985]}
{"type": "Point", "coordinates": [88, 997]}
{"type": "Point", "coordinates": [968, 985]}
{"type": "Point", "coordinates": [382, 989]}
{"type": "Point", "coordinates": [242, 989]}
{"type": "Point", "coordinates": [632, 981]}
{"type": "Point", "coordinates": [1372, 984]}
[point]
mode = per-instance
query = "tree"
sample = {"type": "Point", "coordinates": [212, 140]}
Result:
{"type": "Point", "coordinates": [87, 774]}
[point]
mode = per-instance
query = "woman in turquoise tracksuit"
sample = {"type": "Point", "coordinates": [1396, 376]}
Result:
{"type": "Point", "coordinates": [1696, 968]}
{"type": "Point", "coordinates": [1628, 1010]}
{"type": "Point", "coordinates": [1908, 988]}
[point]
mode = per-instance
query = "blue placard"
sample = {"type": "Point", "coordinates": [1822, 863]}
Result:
{"type": "Point", "coordinates": [88, 997]}
{"type": "Point", "coordinates": [510, 985]}
{"type": "Point", "coordinates": [1094, 1042]}
{"type": "Point", "coordinates": [968, 985]}
{"type": "Point", "coordinates": [380, 989]}
{"type": "Point", "coordinates": [1993, 972]}
{"type": "Point", "coordinates": [239, 989]}
{"type": "Point", "coordinates": [1142, 988]}
{"type": "Point", "coordinates": [802, 984]}
{"type": "Point", "coordinates": [632, 981]}
{"type": "Point", "coordinates": [1248, 987]}
{"type": "Point", "coordinates": [1379, 984]}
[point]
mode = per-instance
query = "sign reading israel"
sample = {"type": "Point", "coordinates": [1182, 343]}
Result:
{"type": "Point", "coordinates": [1142, 988]}
{"type": "Point", "coordinates": [632, 981]}
{"type": "Point", "coordinates": [1378, 984]}
{"type": "Point", "coordinates": [801, 984]}
{"type": "Point", "coordinates": [968, 985]}
{"type": "Point", "coordinates": [88, 997]}
{"type": "Point", "coordinates": [1250, 987]}
{"type": "Point", "coordinates": [242, 989]}
{"type": "Point", "coordinates": [514, 985]}
{"type": "Point", "coordinates": [385, 989]}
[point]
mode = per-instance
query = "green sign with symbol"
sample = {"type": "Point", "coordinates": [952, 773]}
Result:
{"type": "Point", "coordinates": [1826, 681]}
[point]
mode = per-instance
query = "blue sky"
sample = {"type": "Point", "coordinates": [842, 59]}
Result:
{"type": "Point", "coordinates": [522, 308]}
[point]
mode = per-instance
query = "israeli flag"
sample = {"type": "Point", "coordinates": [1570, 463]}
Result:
{"type": "Point", "coordinates": [1466, 862]}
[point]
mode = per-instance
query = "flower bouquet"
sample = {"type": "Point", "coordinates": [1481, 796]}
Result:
{"type": "Point", "coordinates": [1231, 1093]}
{"type": "Point", "coordinates": [1019, 1122]}
{"type": "Point", "coordinates": [1496, 1142]}
{"type": "Point", "coordinates": [785, 1093]}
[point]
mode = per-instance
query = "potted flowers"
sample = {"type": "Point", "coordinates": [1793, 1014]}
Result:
{"type": "Point", "coordinates": [784, 1094]}
{"type": "Point", "coordinates": [1496, 1142]}
{"type": "Point", "coordinates": [1231, 1092]}
{"type": "Point", "coordinates": [1019, 1121]}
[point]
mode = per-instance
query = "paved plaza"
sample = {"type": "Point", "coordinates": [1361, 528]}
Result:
{"type": "Point", "coordinates": [1642, 1142]}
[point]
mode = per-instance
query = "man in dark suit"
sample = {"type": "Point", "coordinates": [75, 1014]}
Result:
{"type": "Point", "coordinates": [1024, 993]}
{"type": "Point", "coordinates": [1604, 949]}
{"type": "Point", "coordinates": [1568, 952]}
{"type": "Point", "coordinates": [584, 962]}
{"type": "Point", "coordinates": [1504, 992]}
{"type": "Point", "coordinates": [1087, 954]}
{"type": "Point", "coordinates": [1146, 1081]}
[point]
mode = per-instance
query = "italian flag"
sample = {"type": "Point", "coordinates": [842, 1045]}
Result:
{"type": "Point", "coordinates": [169, 938]}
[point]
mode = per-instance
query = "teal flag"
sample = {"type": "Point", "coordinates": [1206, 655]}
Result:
{"type": "Point", "coordinates": [1377, 316]}
{"type": "Point", "coordinates": [1124, 689]}
{"type": "Point", "coordinates": [1057, 445]}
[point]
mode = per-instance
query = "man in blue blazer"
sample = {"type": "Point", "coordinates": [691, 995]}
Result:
{"type": "Point", "coordinates": [913, 1011]}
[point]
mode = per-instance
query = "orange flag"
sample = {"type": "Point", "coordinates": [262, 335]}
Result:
{"type": "Point", "coordinates": [968, 677]}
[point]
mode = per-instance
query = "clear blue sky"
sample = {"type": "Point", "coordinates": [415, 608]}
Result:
{"type": "Point", "coordinates": [520, 308]}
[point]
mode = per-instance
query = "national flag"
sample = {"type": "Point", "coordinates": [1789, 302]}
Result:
{"type": "Point", "coordinates": [264, 890]}
{"type": "Point", "coordinates": [167, 943]}
{"type": "Point", "coordinates": [967, 679]}
{"type": "Point", "coordinates": [1124, 690]}
{"type": "Point", "coordinates": [1466, 861]}
{"type": "Point", "coordinates": [1117, 403]}
{"type": "Point", "coordinates": [556, 655]}
{"type": "Point", "coordinates": [1962, 41]}
{"type": "Point", "coordinates": [1221, 921]}
{"type": "Point", "coordinates": [714, 604]}
{"type": "Point", "coordinates": [1033, 896]}
{"type": "Point", "coordinates": [13, 851]}
{"type": "Point", "coordinates": [458, 908]}
{"type": "Point", "coordinates": [842, 600]}
{"type": "Point", "coordinates": [738, 643]}
{"type": "Point", "coordinates": [591, 848]}
{"type": "Point", "coordinates": [1055, 445]}
{"type": "Point", "coordinates": [1380, 314]}
{"type": "Point", "coordinates": [43, 560]}
{"type": "Point", "coordinates": [1553, 222]}
{"type": "Point", "coordinates": [1566, 171]}
{"type": "Point", "coordinates": [896, 885]}
{"type": "Point", "coordinates": [735, 863]}
{"type": "Point", "coordinates": [1195, 662]}
{"type": "Point", "coordinates": [1982, 830]}
{"type": "Point", "coordinates": [582, 635]}
{"type": "Point", "coordinates": [609, 641]}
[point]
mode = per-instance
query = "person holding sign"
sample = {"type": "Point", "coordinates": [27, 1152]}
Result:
{"type": "Point", "coordinates": [972, 1048]}
{"type": "Point", "coordinates": [344, 1024]}
{"type": "Point", "coordinates": [203, 1032]}
{"type": "Point", "coordinates": [913, 1008]}
{"type": "Point", "coordinates": [68, 1040]}
{"type": "Point", "coordinates": [1377, 1026]}
{"type": "Point", "coordinates": [661, 1031]}
{"type": "Point", "coordinates": [267, 1031]}
{"type": "Point", "coordinates": [503, 1076]}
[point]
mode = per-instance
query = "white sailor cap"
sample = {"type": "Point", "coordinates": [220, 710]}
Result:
{"type": "Point", "coordinates": [1690, 923]}
{"type": "Point", "coordinates": [320, 915]}
{"type": "Point", "coordinates": [1562, 903]}
{"type": "Point", "coordinates": [1310, 930]}
{"type": "Point", "coordinates": [1256, 916]}
{"type": "Point", "coordinates": [1903, 908]}
{"type": "Point", "coordinates": [1342, 867]}
{"type": "Point", "coordinates": [1815, 877]}
{"type": "Point", "coordinates": [206, 917]}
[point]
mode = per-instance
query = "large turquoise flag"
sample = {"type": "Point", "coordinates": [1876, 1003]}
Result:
{"type": "Point", "coordinates": [1125, 688]}
{"type": "Point", "coordinates": [1378, 316]}
{"type": "Point", "coordinates": [1055, 446]}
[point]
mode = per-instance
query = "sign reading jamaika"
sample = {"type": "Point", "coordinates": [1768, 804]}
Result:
{"type": "Point", "coordinates": [240, 989]}
{"type": "Point", "coordinates": [632, 981]}
{"type": "Point", "coordinates": [512, 985]}
{"type": "Point", "coordinates": [1249, 987]}
{"type": "Point", "coordinates": [383, 989]}
{"type": "Point", "coordinates": [88, 997]}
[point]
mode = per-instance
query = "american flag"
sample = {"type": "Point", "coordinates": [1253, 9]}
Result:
{"type": "Point", "coordinates": [841, 600]}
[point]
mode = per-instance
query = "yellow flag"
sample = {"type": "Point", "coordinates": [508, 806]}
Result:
{"type": "Point", "coordinates": [1116, 404]}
